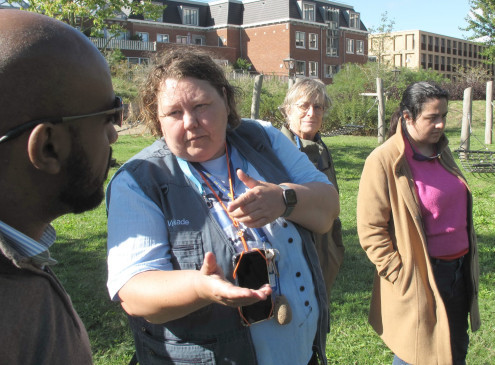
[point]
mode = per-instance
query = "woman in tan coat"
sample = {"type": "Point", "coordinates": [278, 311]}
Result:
{"type": "Point", "coordinates": [414, 220]}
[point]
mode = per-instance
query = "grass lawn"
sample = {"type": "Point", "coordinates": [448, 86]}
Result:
{"type": "Point", "coordinates": [81, 252]}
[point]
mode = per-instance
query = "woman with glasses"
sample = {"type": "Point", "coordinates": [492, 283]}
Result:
{"type": "Point", "coordinates": [303, 108]}
{"type": "Point", "coordinates": [414, 220]}
{"type": "Point", "coordinates": [203, 213]}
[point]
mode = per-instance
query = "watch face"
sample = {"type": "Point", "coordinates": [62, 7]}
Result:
{"type": "Point", "coordinates": [290, 197]}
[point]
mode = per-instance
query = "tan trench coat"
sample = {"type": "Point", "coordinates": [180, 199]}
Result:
{"type": "Point", "coordinates": [329, 246]}
{"type": "Point", "coordinates": [406, 309]}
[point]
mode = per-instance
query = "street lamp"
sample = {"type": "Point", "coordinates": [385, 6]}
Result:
{"type": "Point", "coordinates": [290, 64]}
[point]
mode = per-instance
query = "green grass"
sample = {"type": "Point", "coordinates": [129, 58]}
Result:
{"type": "Point", "coordinates": [81, 251]}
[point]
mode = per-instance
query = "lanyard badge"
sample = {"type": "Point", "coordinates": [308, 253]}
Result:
{"type": "Point", "coordinates": [252, 268]}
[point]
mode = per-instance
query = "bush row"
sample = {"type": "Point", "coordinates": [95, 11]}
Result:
{"type": "Point", "coordinates": [349, 106]}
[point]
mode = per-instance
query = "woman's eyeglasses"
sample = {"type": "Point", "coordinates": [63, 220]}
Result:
{"type": "Point", "coordinates": [116, 112]}
{"type": "Point", "coordinates": [317, 108]}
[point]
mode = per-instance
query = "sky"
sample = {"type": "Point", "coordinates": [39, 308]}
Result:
{"type": "Point", "coordinates": [435, 16]}
{"type": "Point", "coordinates": [442, 17]}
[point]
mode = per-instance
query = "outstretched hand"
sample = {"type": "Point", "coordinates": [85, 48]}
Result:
{"type": "Point", "coordinates": [258, 206]}
{"type": "Point", "coordinates": [213, 286]}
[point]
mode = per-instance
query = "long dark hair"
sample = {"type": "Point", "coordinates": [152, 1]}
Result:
{"type": "Point", "coordinates": [413, 99]}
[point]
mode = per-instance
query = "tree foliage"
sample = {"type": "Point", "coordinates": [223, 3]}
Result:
{"type": "Point", "coordinates": [242, 64]}
{"type": "Point", "coordinates": [91, 16]}
{"type": "Point", "coordinates": [481, 22]}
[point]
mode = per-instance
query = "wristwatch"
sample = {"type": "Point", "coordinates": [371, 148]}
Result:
{"type": "Point", "coordinates": [290, 199]}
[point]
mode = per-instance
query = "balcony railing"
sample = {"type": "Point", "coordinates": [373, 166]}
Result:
{"type": "Point", "coordinates": [123, 44]}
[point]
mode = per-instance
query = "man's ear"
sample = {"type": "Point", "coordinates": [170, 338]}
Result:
{"type": "Point", "coordinates": [46, 147]}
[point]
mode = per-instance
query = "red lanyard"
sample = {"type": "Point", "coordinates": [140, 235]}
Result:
{"type": "Point", "coordinates": [240, 232]}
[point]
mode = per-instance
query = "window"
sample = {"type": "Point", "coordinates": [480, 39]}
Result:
{"type": "Point", "coordinates": [332, 18]}
{"type": "Point", "coordinates": [349, 45]}
{"type": "Point", "coordinates": [313, 68]}
{"type": "Point", "coordinates": [182, 39]}
{"type": "Point", "coordinates": [162, 38]}
{"type": "Point", "coordinates": [313, 41]}
{"type": "Point", "coordinates": [410, 41]}
{"type": "Point", "coordinates": [300, 37]}
{"type": "Point", "coordinates": [190, 16]}
{"type": "Point", "coordinates": [354, 20]}
{"type": "Point", "coordinates": [360, 47]}
{"type": "Point", "coordinates": [301, 68]}
{"type": "Point", "coordinates": [309, 12]}
{"type": "Point", "coordinates": [145, 37]}
{"type": "Point", "coordinates": [332, 43]}
{"type": "Point", "coordinates": [198, 40]}
{"type": "Point", "coordinates": [423, 42]}
{"type": "Point", "coordinates": [138, 60]}
{"type": "Point", "coordinates": [330, 71]}
{"type": "Point", "coordinates": [120, 35]}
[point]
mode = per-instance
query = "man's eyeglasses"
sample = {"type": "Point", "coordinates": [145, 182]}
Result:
{"type": "Point", "coordinates": [317, 108]}
{"type": "Point", "coordinates": [116, 112]}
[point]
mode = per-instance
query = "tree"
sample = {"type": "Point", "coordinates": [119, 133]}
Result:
{"type": "Point", "coordinates": [92, 16]}
{"type": "Point", "coordinates": [481, 21]}
{"type": "Point", "coordinates": [381, 35]}
{"type": "Point", "coordinates": [242, 64]}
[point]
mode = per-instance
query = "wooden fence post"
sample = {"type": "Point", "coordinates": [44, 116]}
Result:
{"type": "Point", "coordinates": [489, 112]}
{"type": "Point", "coordinates": [467, 112]}
{"type": "Point", "coordinates": [381, 110]}
{"type": "Point", "coordinates": [255, 102]}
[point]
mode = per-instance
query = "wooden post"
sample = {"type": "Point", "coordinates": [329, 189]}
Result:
{"type": "Point", "coordinates": [489, 112]}
{"type": "Point", "coordinates": [291, 82]}
{"type": "Point", "coordinates": [381, 110]}
{"type": "Point", "coordinates": [467, 112]}
{"type": "Point", "coordinates": [255, 103]}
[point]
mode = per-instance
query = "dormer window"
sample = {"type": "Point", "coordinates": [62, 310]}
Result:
{"type": "Point", "coordinates": [354, 20]}
{"type": "Point", "coordinates": [332, 18]}
{"type": "Point", "coordinates": [308, 12]}
{"type": "Point", "coordinates": [189, 16]}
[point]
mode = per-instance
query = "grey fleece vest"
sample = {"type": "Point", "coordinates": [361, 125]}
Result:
{"type": "Point", "coordinates": [213, 334]}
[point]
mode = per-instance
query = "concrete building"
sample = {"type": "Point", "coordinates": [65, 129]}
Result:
{"type": "Point", "coordinates": [417, 49]}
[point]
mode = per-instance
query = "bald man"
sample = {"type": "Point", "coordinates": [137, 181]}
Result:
{"type": "Point", "coordinates": [57, 110]}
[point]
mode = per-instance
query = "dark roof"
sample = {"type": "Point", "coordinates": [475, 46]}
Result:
{"type": "Point", "coordinates": [245, 12]}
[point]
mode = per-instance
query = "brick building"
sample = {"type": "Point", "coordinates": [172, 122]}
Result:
{"type": "Point", "coordinates": [317, 36]}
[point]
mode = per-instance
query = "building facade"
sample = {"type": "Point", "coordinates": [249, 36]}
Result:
{"type": "Point", "coordinates": [417, 49]}
{"type": "Point", "coordinates": [314, 37]}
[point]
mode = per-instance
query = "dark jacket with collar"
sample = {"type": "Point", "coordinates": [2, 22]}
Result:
{"type": "Point", "coordinates": [329, 246]}
{"type": "Point", "coordinates": [39, 324]}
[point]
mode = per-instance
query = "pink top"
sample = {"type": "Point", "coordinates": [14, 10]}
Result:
{"type": "Point", "coordinates": [443, 203]}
